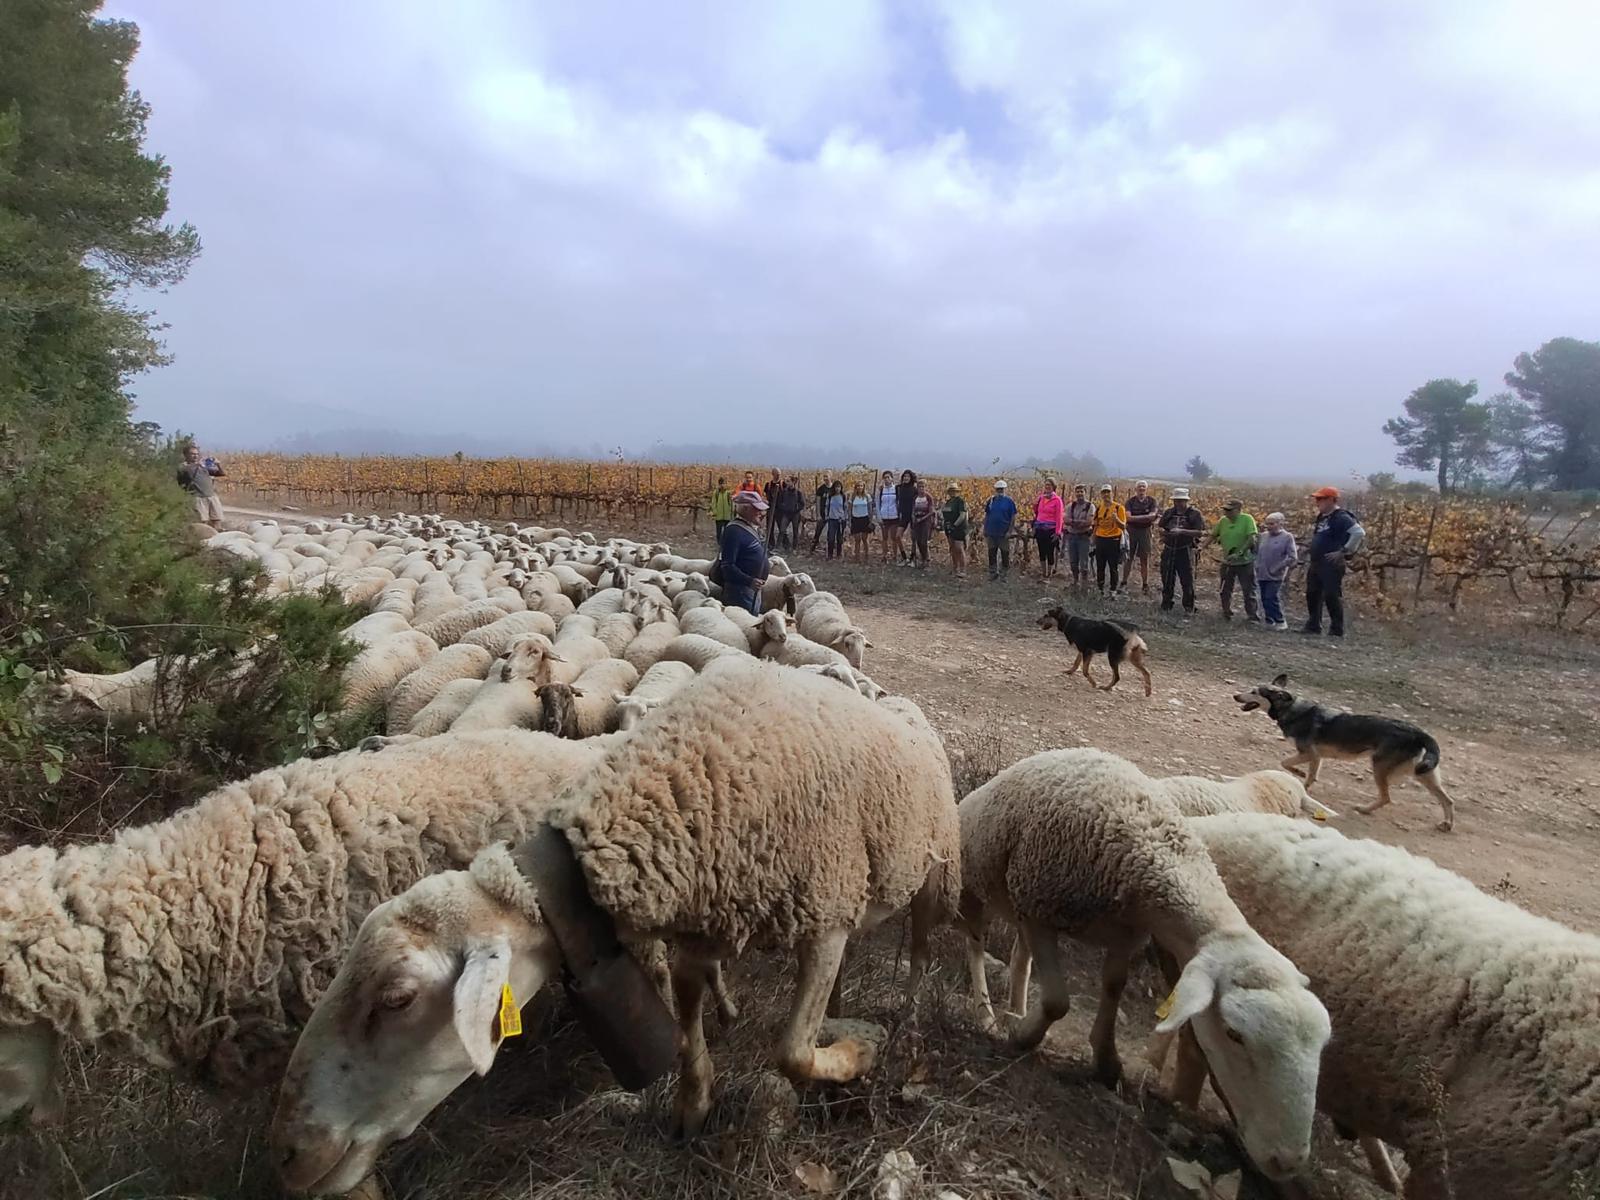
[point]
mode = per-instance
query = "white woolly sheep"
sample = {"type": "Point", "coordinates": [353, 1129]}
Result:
{"type": "Point", "coordinates": [656, 686]}
{"type": "Point", "coordinates": [417, 690]}
{"type": "Point", "coordinates": [497, 635]}
{"type": "Point", "coordinates": [697, 650]}
{"type": "Point", "coordinates": [821, 617]}
{"type": "Point", "coordinates": [1260, 791]}
{"type": "Point", "coordinates": [798, 651]}
{"type": "Point", "coordinates": [369, 676]}
{"type": "Point", "coordinates": [785, 591]}
{"type": "Point", "coordinates": [440, 713]}
{"type": "Point", "coordinates": [770, 626]}
{"type": "Point", "coordinates": [844, 673]}
{"type": "Point", "coordinates": [447, 629]}
{"type": "Point", "coordinates": [603, 603]}
{"type": "Point", "coordinates": [577, 625]}
{"type": "Point", "coordinates": [508, 698]}
{"type": "Point", "coordinates": [587, 707]}
{"type": "Point", "coordinates": [1466, 1026]}
{"type": "Point", "coordinates": [698, 827]}
{"type": "Point", "coordinates": [1081, 842]}
{"type": "Point", "coordinates": [374, 627]}
{"type": "Point", "coordinates": [618, 630]}
{"type": "Point", "coordinates": [717, 626]}
{"type": "Point", "coordinates": [645, 650]}
{"type": "Point", "coordinates": [200, 942]}
{"type": "Point", "coordinates": [129, 694]}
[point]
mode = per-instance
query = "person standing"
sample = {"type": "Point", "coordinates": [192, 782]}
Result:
{"type": "Point", "coordinates": [769, 491]}
{"type": "Point", "coordinates": [1047, 524]}
{"type": "Point", "coordinates": [1143, 512]}
{"type": "Point", "coordinates": [748, 483]}
{"type": "Point", "coordinates": [1080, 534]}
{"type": "Point", "coordinates": [999, 514]}
{"type": "Point", "coordinates": [1110, 520]}
{"type": "Point", "coordinates": [825, 486]}
{"type": "Point", "coordinates": [1235, 532]}
{"type": "Point", "coordinates": [835, 512]}
{"type": "Point", "coordinates": [742, 559]}
{"type": "Point", "coordinates": [1275, 558]}
{"type": "Point", "coordinates": [905, 493]}
{"type": "Point", "coordinates": [860, 522]}
{"type": "Point", "coordinates": [888, 514]}
{"type": "Point", "coordinates": [1181, 529]}
{"type": "Point", "coordinates": [791, 503]}
{"type": "Point", "coordinates": [196, 478]}
{"type": "Point", "coordinates": [1330, 538]}
{"type": "Point", "coordinates": [721, 508]}
{"type": "Point", "coordinates": [924, 514]}
{"type": "Point", "coordinates": [953, 520]}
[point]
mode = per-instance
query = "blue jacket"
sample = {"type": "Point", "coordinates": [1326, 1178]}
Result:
{"type": "Point", "coordinates": [998, 515]}
{"type": "Point", "coordinates": [1330, 533]}
{"type": "Point", "coordinates": [744, 565]}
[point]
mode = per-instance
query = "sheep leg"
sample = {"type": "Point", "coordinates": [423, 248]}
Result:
{"type": "Point", "coordinates": [799, 1056]}
{"type": "Point", "coordinates": [1054, 996]}
{"type": "Point", "coordinates": [976, 973]}
{"type": "Point", "coordinates": [1103, 1037]}
{"type": "Point", "coordinates": [690, 979]}
{"type": "Point", "coordinates": [1021, 970]}
{"type": "Point", "coordinates": [924, 919]}
{"type": "Point", "coordinates": [836, 994]}
{"type": "Point", "coordinates": [727, 1010]}
{"type": "Point", "coordinates": [1447, 806]}
{"type": "Point", "coordinates": [1382, 1168]}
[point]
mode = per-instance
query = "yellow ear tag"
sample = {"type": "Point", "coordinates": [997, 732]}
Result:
{"type": "Point", "coordinates": [510, 1014]}
{"type": "Point", "coordinates": [1319, 815]}
{"type": "Point", "coordinates": [1164, 1009]}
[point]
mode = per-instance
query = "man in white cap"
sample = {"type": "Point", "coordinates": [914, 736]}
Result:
{"type": "Point", "coordinates": [1181, 527]}
{"type": "Point", "coordinates": [1143, 512]}
{"type": "Point", "coordinates": [999, 514]}
{"type": "Point", "coordinates": [741, 566]}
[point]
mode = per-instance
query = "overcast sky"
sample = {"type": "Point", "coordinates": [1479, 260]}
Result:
{"type": "Point", "coordinates": [1243, 228]}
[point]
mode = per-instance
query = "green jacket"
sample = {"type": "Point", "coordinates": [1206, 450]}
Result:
{"type": "Point", "coordinates": [954, 516]}
{"type": "Point", "coordinates": [722, 505]}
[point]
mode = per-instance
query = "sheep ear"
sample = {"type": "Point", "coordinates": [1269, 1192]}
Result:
{"type": "Point", "coordinates": [618, 697]}
{"type": "Point", "coordinates": [477, 1000]}
{"type": "Point", "coordinates": [869, 645]}
{"type": "Point", "coordinates": [554, 657]}
{"type": "Point", "coordinates": [576, 694]}
{"type": "Point", "coordinates": [1196, 989]}
{"type": "Point", "coordinates": [1281, 679]}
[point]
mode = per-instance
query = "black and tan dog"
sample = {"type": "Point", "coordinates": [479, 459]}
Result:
{"type": "Point", "coordinates": [1117, 640]}
{"type": "Point", "coordinates": [1320, 732]}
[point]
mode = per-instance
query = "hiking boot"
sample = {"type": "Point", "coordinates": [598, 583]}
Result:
{"type": "Point", "coordinates": [1311, 630]}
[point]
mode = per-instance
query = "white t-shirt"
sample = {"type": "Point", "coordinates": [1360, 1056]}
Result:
{"type": "Point", "coordinates": [888, 505]}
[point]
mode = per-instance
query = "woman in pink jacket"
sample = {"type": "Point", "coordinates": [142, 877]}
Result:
{"type": "Point", "coordinates": [1049, 516]}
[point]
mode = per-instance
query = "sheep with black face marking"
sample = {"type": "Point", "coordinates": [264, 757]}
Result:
{"type": "Point", "coordinates": [587, 707]}
{"type": "Point", "coordinates": [508, 698]}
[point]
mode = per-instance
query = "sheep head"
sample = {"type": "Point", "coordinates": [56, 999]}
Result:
{"type": "Point", "coordinates": [1281, 792]}
{"type": "Point", "coordinates": [412, 1014]}
{"type": "Point", "coordinates": [28, 1076]}
{"type": "Point", "coordinates": [558, 714]}
{"type": "Point", "coordinates": [529, 656]}
{"type": "Point", "coordinates": [853, 644]}
{"type": "Point", "coordinates": [1262, 1031]}
{"type": "Point", "coordinates": [633, 709]}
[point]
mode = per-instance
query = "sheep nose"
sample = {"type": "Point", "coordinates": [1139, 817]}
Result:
{"type": "Point", "coordinates": [1285, 1165]}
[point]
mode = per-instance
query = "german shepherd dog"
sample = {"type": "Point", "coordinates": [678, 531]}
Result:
{"type": "Point", "coordinates": [1117, 640]}
{"type": "Point", "coordinates": [1319, 732]}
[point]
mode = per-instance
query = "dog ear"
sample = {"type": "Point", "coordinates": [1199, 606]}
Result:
{"type": "Point", "coordinates": [1281, 679]}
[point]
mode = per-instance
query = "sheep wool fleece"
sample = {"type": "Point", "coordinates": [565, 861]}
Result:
{"type": "Point", "coordinates": [202, 941]}
{"type": "Point", "coordinates": [1465, 1030]}
{"type": "Point", "coordinates": [1075, 839]}
{"type": "Point", "coordinates": [762, 805]}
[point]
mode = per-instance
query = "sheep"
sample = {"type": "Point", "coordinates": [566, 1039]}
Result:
{"type": "Point", "coordinates": [573, 585]}
{"type": "Point", "coordinates": [701, 827]}
{"type": "Point", "coordinates": [434, 602]}
{"type": "Point", "coordinates": [798, 651]}
{"type": "Point", "coordinates": [497, 635]}
{"type": "Point", "coordinates": [784, 591]}
{"type": "Point", "coordinates": [1082, 842]}
{"type": "Point", "coordinates": [645, 650]}
{"type": "Point", "coordinates": [577, 653]}
{"type": "Point", "coordinates": [577, 625]}
{"type": "Point", "coordinates": [697, 650]}
{"type": "Point", "coordinates": [362, 585]}
{"type": "Point", "coordinates": [618, 630]}
{"type": "Point", "coordinates": [715, 625]}
{"type": "Point", "coordinates": [821, 617]}
{"type": "Point", "coordinates": [658, 684]}
{"type": "Point", "coordinates": [589, 704]}
{"type": "Point", "coordinates": [368, 678]}
{"type": "Point", "coordinates": [759, 632]}
{"type": "Point", "coordinates": [556, 603]}
{"type": "Point", "coordinates": [1466, 1025]}
{"type": "Point", "coordinates": [200, 942]}
{"type": "Point", "coordinates": [414, 692]}
{"type": "Point", "coordinates": [508, 698]}
{"type": "Point", "coordinates": [129, 694]}
{"type": "Point", "coordinates": [685, 601]}
{"type": "Point", "coordinates": [847, 675]}
{"type": "Point", "coordinates": [440, 713]}
{"type": "Point", "coordinates": [1260, 791]}
{"type": "Point", "coordinates": [374, 627]}
{"type": "Point", "coordinates": [448, 628]}
{"type": "Point", "coordinates": [603, 603]}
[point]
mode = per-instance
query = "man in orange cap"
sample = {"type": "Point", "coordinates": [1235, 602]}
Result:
{"type": "Point", "coordinates": [1325, 573]}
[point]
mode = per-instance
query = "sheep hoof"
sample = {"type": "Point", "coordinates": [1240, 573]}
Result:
{"type": "Point", "coordinates": [1108, 1073]}
{"type": "Point", "coordinates": [689, 1121]}
{"type": "Point", "coordinates": [1445, 826]}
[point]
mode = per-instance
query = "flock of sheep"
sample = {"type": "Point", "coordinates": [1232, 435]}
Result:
{"type": "Point", "coordinates": [363, 910]}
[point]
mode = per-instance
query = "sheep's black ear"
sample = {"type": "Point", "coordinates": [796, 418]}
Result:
{"type": "Point", "coordinates": [1281, 679]}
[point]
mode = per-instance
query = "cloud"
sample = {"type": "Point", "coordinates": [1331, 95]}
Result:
{"type": "Point", "coordinates": [1245, 229]}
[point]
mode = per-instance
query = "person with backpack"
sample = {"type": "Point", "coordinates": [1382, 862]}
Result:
{"type": "Point", "coordinates": [1110, 522]}
{"type": "Point", "coordinates": [741, 566]}
{"type": "Point", "coordinates": [721, 508]}
{"type": "Point", "coordinates": [1335, 535]}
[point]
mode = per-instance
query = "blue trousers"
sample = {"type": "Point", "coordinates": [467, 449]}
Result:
{"type": "Point", "coordinates": [1272, 600]}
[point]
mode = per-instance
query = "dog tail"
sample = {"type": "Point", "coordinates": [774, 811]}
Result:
{"type": "Point", "coordinates": [1430, 755]}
